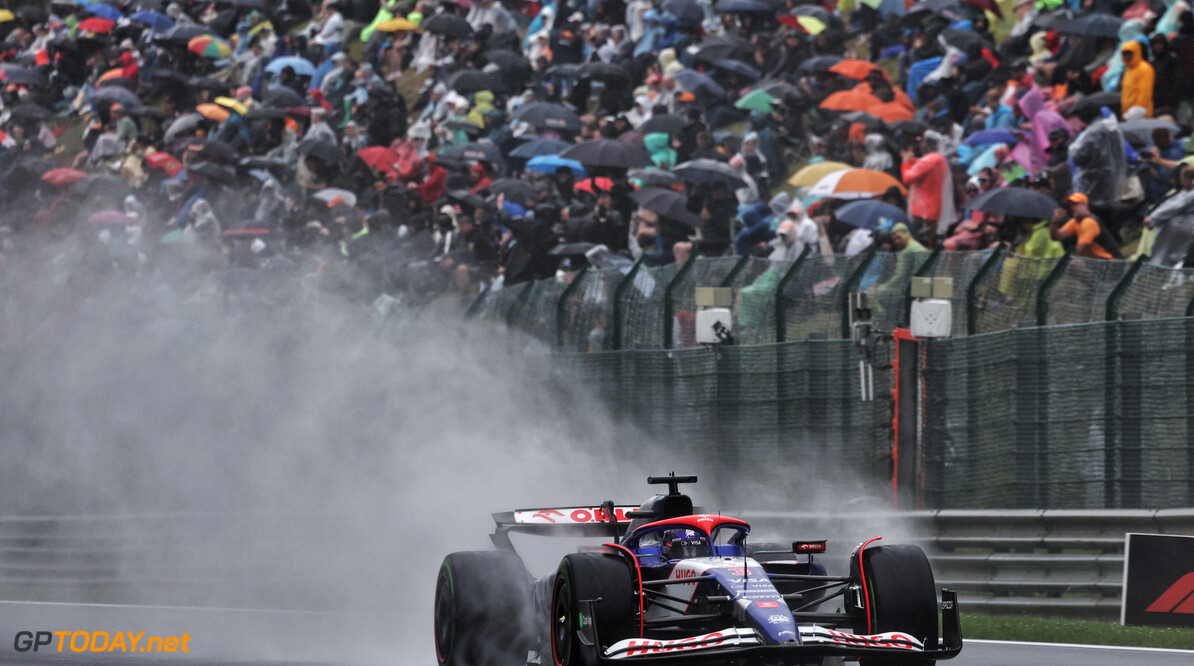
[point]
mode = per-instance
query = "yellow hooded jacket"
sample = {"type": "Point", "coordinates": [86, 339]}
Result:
{"type": "Point", "coordinates": [1138, 80]}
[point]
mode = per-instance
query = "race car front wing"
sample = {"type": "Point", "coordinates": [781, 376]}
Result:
{"type": "Point", "coordinates": [745, 645]}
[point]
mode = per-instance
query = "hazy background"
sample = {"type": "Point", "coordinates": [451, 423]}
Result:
{"type": "Point", "coordinates": [309, 455]}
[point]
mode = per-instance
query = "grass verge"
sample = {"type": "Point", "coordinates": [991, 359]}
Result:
{"type": "Point", "coordinates": [1074, 631]}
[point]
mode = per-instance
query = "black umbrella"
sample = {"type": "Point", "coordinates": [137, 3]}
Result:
{"type": "Point", "coordinates": [219, 151]}
{"type": "Point", "coordinates": [819, 63]}
{"type": "Point", "coordinates": [706, 172]}
{"type": "Point", "coordinates": [738, 67]}
{"type": "Point", "coordinates": [484, 152]}
{"type": "Point", "coordinates": [120, 82]}
{"type": "Point", "coordinates": [608, 153]}
{"type": "Point", "coordinates": [282, 97]}
{"type": "Point", "coordinates": [910, 127]}
{"type": "Point", "coordinates": [30, 111]}
{"type": "Point", "coordinates": [572, 249]}
{"type": "Point", "coordinates": [470, 81]}
{"type": "Point", "coordinates": [323, 151]}
{"type": "Point", "coordinates": [21, 76]}
{"type": "Point", "coordinates": [655, 177]}
{"type": "Point", "coordinates": [33, 13]}
{"type": "Point", "coordinates": [965, 39]}
{"type": "Point", "coordinates": [1055, 19]}
{"type": "Point", "coordinates": [1139, 131]}
{"type": "Point", "coordinates": [448, 25]}
{"type": "Point", "coordinates": [687, 12]}
{"type": "Point", "coordinates": [216, 172]}
{"type": "Point", "coordinates": [820, 13]}
{"type": "Point", "coordinates": [603, 71]}
{"type": "Point", "coordinates": [548, 115]}
{"type": "Point", "coordinates": [208, 83]}
{"type": "Point", "coordinates": [668, 123]}
{"type": "Point", "coordinates": [102, 187]}
{"type": "Point", "coordinates": [667, 203]}
{"type": "Point", "coordinates": [1089, 107]}
{"type": "Point", "coordinates": [694, 82]}
{"type": "Point", "coordinates": [181, 33]}
{"type": "Point", "coordinates": [779, 89]}
{"type": "Point", "coordinates": [509, 61]}
{"type": "Point", "coordinates": [1015, 201]}
{"type": "Point", "coordinates": [716, 48]}
{"type": "Point", "coordinates": [467, 126]}
{"type": "Point", "coordinates": [540, 146]}
{"type": "Point", "coordinates": [516, 191]}
{"type": "Point", "coordinates": [1093, 25]}
{"type": "Point", "coordinates": [182, 125]}
{"type": "Point", "coordinates": [116, 94]}
{"type": "Point", "coordinates": [146, 112]}
{"type": "Point", "coordinates": [258, 162]}
{"type": "Point", "coordinates": [866, 120]}
{"type": "Point", "coordinates": [744, 7]}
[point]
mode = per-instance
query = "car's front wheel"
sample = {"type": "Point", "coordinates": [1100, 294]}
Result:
{"type": "Point", "coordinates": [900, 596]}
{"type": "Point", "coordinates": [604, 579]}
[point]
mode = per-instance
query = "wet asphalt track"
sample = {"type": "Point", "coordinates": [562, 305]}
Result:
{"type": "Point", "coordinates": [975, 653]}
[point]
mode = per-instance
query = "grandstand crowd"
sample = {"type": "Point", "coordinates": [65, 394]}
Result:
{"type": "Point", "coordinates": [411, 149]}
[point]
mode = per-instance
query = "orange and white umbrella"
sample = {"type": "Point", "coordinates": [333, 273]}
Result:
{"type": "Point", "coordinates": [855, 184]}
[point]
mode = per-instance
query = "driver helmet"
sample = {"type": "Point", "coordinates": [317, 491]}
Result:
{"type": "Point", "coordinates": [681, 544]}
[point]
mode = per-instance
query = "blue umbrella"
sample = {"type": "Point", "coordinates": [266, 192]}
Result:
{"type": "Point", "coordinates": [869, 214]}
{"type": "Point", "coordinates": [155, 20]}
{"type": "Point", "coordinates": [694, 81]}
{"type": "Point", "coordinates": [738, 67]}
{"type": "Point", "coordinates": [105, 12]}
{"type": "Point", "coordinates": [744, 7]}
{"type": "Point", "coordinates": [301, 66]}
{"type": "Point", "coordinates": [549, 164]}
{"type": "Point", "coordinates": [537, 147]}
{"type": "Point", "coordinates": [997, 135]}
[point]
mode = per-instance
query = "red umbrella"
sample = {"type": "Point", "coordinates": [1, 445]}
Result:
{"type": "Point", "coordinates": [96, 24]}
{"type": "Point", "coordinates": [854, 69]}
{"type": "Point", "coordinates": [164, 162]}
{"type": "Point", "coordinates": [111, 217]}
{"type": "Point", "coordinates": [587, 185]}
{"type": "Point", "coordinates": [381, 158]}
{"type": "Point", "coordinates": [850, 100]}
{"type": "Point", "coordinates": [63, 177]}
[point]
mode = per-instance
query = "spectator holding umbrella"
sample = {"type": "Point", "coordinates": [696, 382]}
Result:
{"type": "Point", "coordinates": [930, 188]}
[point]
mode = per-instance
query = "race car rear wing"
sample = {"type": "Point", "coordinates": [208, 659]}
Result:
{"type": "Point", "coordinates": [604, 520]}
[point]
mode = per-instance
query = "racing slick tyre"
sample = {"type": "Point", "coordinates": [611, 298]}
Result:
{"type": "Point", "coordinates": [589, 577]}
{"type": "Point", "coordinates": [899, 595]}
{"type": "Point", "coordinates": [483, 613]}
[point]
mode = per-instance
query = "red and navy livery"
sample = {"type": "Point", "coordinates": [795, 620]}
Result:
{"type": "Point", "coordinates": [672, 585]}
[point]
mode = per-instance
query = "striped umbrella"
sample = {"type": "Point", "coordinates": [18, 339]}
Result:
{"type": "Point", "coordinates": [855, 184]}
{"type": "Point", "coordinates": [209, 46]}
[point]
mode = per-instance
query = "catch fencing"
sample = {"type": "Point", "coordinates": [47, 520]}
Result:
{"type": "Point", "coordinates": [654, 308]}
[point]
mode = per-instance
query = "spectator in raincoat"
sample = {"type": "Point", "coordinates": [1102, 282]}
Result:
{"type": "Point", "coordinates": [1173, 221]}
{"type": "Point", "coordinates": [1030, 152]}
{"type": "Point", "coordinates": [930, 187]}
{"type": "Point", "coordinates": [1138, 79]}
{"type": "Point", "coordinates": [659, 146]}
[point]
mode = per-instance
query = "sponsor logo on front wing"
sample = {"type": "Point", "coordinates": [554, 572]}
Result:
{"type": "Point", "coordinates": [645, 647]}
{"type": "Point", "coordinates": [891, 639]}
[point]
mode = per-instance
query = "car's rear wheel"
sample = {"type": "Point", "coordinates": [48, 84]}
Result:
{"type": "Point", "coordinates": [483, 614]}
{"type": "Point", "coordinates": [901, 594]}
{"type": "Point", "coordinates": [586, 577]}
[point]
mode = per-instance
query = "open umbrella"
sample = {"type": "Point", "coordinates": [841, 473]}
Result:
{"type": "Point", "coordinates": [910, 127]}
{"type": "Point", "coordinates": [891, 112]}
{"type": "Point", "coordinates": [809, 24]}
{"type": "Point", "coordinates": [516, 191]}
{"type": "Point", "coordinates": [549, 164]}
{"type": "Point", "coordinates": [549, 115]}
{"type": "Point", "coordinates": [756, 100]}
{"type": "Point", "coordinates": [809, 175]}
{"type": "Point", "coordinates": [282, 97]}
{"type": "Point", "coordinates": [104, 11]}
{"type": "Point", "coordinates": [183, 124]}
{"type": "Point", "coordinates": [716, 48]}
{"type": "Point", "coordinates": [608, 153]}
{"type": "Point", "coordinates": [738, 67]}
{"type": "Point", "coordinates": [100, 26]}
{"type": "Point", "coordinates": [967, 40]}
{"type": "Point", "coordinates": [300, 65]}
{"type": "Point", "coordinates": [334, 196]}
{"type": "Point", "coordinates": [1055, 19]}
{"type": "Point", "coordinates": [208, 83]}
{"type": "Point", "coordinates": [146, 112]}
{"type": "Point", "coordinates": [219, 151]}
{"type": "Point", "coordinates": [870, 214]}
{"type": "Point", "coordinates": [819, 64]}
{"type": "Point", "coordinates": [1089, 107]}
{"type": "Point", "coordinates": [380, 158]}
{"type": "Point", "coordinates": [855, 184]}
{"type": "Point", "coordinates": [163, 161]}
{"type": "Point", "coordinates": [655, 177]}
{"type": "Point", "coordinates": [706, 172]}
{"type": "Point", "coordinates": [20, 76]}
{"type": "Point", "coordinates": [265, 113]}
{"type": "Point", "coordinates": [667, 203]}
{"type": "Point", "coordinates": [696, 82]}
{"type": "Point", "coordinates": [181, 33]}
{"type": "Point", "coordinates": [854, 69]}
{"type": "Point", "coordinates": [483, 152]}
{"type": "Point", "coordinates": [603, 71]}
{"type": "Point", "coordinates": [1139, 131]}
{"type": "Point", "coordinates": [115, 94]}
{"type": "Point", "coordinates": [231, 104]}
{"type": "Point", "coordinates": [33, 13]}
{"type": "Point", "coordinates": [871, 123]}
{"type": "Point", "coordinates": [851, 100]}
{"type": "Point", "coordinates": [1015, 201]}
{"type": "Point", "coordinates": [471, 80]}
{"type": "Point", "coordinates": [539, 146]}
{"type": "Point", "coordinates": [209, 46]}
{"type": "Point", "coordinates": [216, 172]}
{"type": "Point", "coordinates": [818, 12]}
{"type": "Point", "coordinates": [687, 12]}
{"type": "Point", "coordinates": [509, 62]}
{"type": "Point", "coordinates": [6, 16]}
{"type": "Point", "coordinates": [323, 151]}
{"type": "Point", "coordinates": [157, 21]}
{"type": "Point", "coordinates": [997, 135]}
{"type": "Point", "coordinates": [63, 177]}
{"type": "Point", "coordinates": [213, 112]}
{"type": "Point", "coordinates": [32, 111]}
{"type": "Point", "coordinates": [667, 123]}
{"type": "Point", "coordinates": [593, 185]}
{"type": "Point", "coordinates": [448, 25]}
{"type": "Point", "coordinates": [1093, 25]}
{"type": "Point", "coordinates": [120, 82]}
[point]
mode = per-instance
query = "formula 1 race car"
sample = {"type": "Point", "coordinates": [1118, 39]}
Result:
{"type": "Point", "coordinates": [675, 586]}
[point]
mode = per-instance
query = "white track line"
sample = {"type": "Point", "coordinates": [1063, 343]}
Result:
{"type": "Point", "coordinates": [1077, 645]}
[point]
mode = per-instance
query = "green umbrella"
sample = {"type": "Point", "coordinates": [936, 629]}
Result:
{"type": "Point", "coordinates": [756, 100]}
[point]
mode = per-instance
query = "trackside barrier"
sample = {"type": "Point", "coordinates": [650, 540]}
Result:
{"type": "Point", "coordinates": [1052, 563]}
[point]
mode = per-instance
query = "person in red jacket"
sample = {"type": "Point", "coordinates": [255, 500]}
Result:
{"type": "Point", "coordinates": [930, 188]}
{"type": "Point", "coordinates": [435, 181]}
